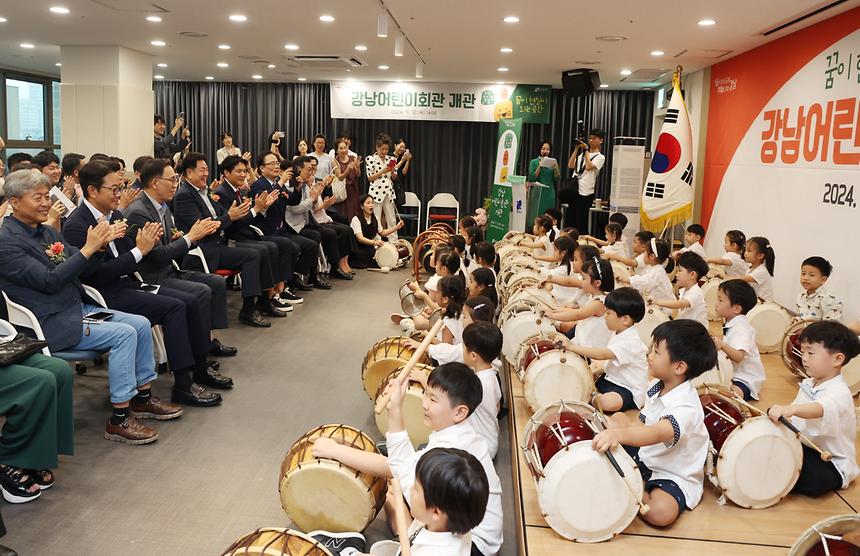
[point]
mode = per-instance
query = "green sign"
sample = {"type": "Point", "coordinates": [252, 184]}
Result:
{"type": "Point", "coordinates": [499, 217]}
{"type": "Point", "coordinates": [529, 102]}
{"type": "Point", "coordinates": [508, 148]}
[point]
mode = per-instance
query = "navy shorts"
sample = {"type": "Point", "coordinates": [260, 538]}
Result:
{"type": "Point", "coordinates": [745, 390]}
{"type": "Point", "coordinates": [605, 386]}
{"type": "Point", "coordinates": [669, 487]}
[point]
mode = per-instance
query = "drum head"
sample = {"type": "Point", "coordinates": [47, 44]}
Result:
{"type": "Point", "coordinates": [709, 290]}
{"type": "Point", "coordinates": [810, 542]}
{"type": "Point", "coordinates": [533, 293]}
{"type": "Point", "coordinates": [718, 375]}
{"type": "Point", "coordinates": [790, 356]}
{"type": "Point", "coordinates": [277, 541]}
{"type": "Point", "coordinates": [770, 322]}
{"type": "Point", "coordinates": [851, 375]}
{"type": "Point", "coordinates": [412, 305]}
{"type": "Point", "coordinates": [583, 498]}
{"type": "Point", "coordinates": [386, 255]}
{"type": "Point", "coordinates": [385, 356]}
{"type": "Point", "coordinates": [413, 409]}
{"type": "Point", "coordinates": [519, 327]}
{"type": "Point", "coordinates": [759, 463]}
{"type": "Point", "coordinates": [654, 317]}
{"type": "Point", "coordinates": [548, 380]}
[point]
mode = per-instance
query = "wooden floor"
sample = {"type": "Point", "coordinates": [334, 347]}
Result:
{"type": "Point", "coordinates": [708, 529]}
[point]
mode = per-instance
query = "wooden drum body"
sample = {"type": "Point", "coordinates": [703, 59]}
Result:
{"type": "Point", "coordinates": [385, 356]}
{"type": "Point", "coordinates": [276, 541]}
{"type": "Point", "coordinates": [770, 321]}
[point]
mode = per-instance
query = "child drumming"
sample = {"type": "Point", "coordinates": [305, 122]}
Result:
{"type": "Point", "coordinates": [640, 239]}
{"type": "Point", "coordinates": [626, 372]}
{"type": "Point", "coordinates": [565, 247]}
{"type": "Point", "coordinates": [484, 255]}
{"type": "Point", "coordinates": [483, 282]}
{"type": "Point", "coordinates": [555, 217]}
{"type": "Point", "coordinates": [654, 282]}
{"type": "Point", "coordinates": [735, 246]}
{"type": "Point", "coordinates": [691, 300]}
{"type": "Point", "coordinates": [475, 309]}
{"type": "Point", "coordinates": [570, 285]}
{"type": "Point", "coordinates": [735, 298]}
{"type": "Point", "coordinates": [613, 243]}
{"type": "Point", "coordinates": [482, 344]}
{"type": "Point", "coordinates": [669, 440]}
{"type": "Point", "coordinates": [824, 409]}
{"type": "Point", "coordinates": [693, 240]}
{"type": "Point", "coordinates": [542, 244]}
{"type": "Point", "coordinates": [816, 302]}
{"type": "Point", "coordinates": [759, 254]}
{"type": "Point", "coordinates": [457, 243]}
{"type": "Point", "coordinates": [590, 327]}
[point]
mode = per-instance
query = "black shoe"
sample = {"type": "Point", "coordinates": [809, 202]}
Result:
{"type": "Point", "coordinates": [337, 543]}
{"type": "Point", "coordinates": [281, 305]}
{"type": "Point", "coordinates": [289, 297]}
{"type": "Point", "coordinates": [220, 350]}
{"type": "Point", "coordinates": [341, 275]}
{"type": "Point", "coordinates": [160, 369]}
{"type": "Point", "coordinates": [266, 308]}
{"type": "Point", "coordinates": [214, 365]}
{"type": "Point", "coordinates": [213, 379]}
{"type": "Point", "coordinates": [322, 284]}
{"type": "Point", "coordinates": [196, 396]}
{"type": "Point", "coordinates": [301, 284]}
{"type": "Point", "coordinates": [382, 447]}
{"type": "Point", "coordinates": [14, 488]}
{"type": "Point", "coordinates": [253, 318]}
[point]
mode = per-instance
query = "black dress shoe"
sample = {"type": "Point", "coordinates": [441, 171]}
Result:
{"type": "Point", "coordinates": [214, 379]}
{"type": "Point", "coordinates": [341, 275]}
{"type": "Point", "coordinates": [322, 284]}
{"type": "Point", "coordinates": [253, 318]}
{"type": "Point", "coordinates": [220, 350]}
{"type": "Point", "coordinates": [302, 284]}
{"type": "Point", "coordinates": [197, 396]}
{"type": "Point", "coordinates": [214, 365]}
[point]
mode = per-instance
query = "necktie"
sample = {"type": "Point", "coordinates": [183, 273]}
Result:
{"type": "Point", "coordinates": [725, 331]}
{"type": "Point", "coordinates": [168, 232]}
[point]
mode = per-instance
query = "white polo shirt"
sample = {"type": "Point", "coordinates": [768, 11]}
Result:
{"type": "Point", "coordinates": [547, 249]}
{"type": "Point", "coordinates": [682, 459]}
{"type": "Point", "coordinates": [485, 419]}
{"type": "Point", "coordinates": [592, 331]}
{"type": "Point", "coordinates": [697, 310]}
{"type": "Point", "coordinates": [836, 430]}
{"type": "Point", "coordinates": [696, 248]}
{"type": "Point", "coordinates": [427, 543]}
{"type": "Point", "coordinates": [455, 326]}
{"type": "Point", "coordinates": [739, 266]}
{"type": "Point", "coordinates": [763, 284]}
{"type": "Point", "coordinates": [402, 458]}
{"type": "Point", "coordinates": [654, 282]}
{"type": "Point", "coordinates": [741, 335]}
{"type": "Point", "coordinates": [446, 353]}
{"type": "Point", "coordinates": [432, 282]}
{"type": "Point", "coordinates": [564, 294]}
{"type": "Point", "coordinates": [641, 267]}
{"type": "Point", "coordinates": [630, 367]}
{"type": "Point", "coordinates": [617, 248]}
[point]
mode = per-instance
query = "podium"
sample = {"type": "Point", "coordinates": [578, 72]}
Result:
{"type": "Point", "coordinates": [508, 208]}
{"type": "Point", "coordinates": [537, 197]}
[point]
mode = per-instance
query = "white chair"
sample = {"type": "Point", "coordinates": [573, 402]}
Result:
{"type": "Point", "coordinates": [412, 201]}
{"type": "Point", "coordinates": [443, 201]}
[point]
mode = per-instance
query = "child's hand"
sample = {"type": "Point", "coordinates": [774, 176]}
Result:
{"type": "Point", "coordinates": [606, 440]}
{"type": "Point", "coordinates": [325, 448]}
{"type": "Point", "coordinates": [719, 343]}
{"type": "Point", "coordinates": [398, 392]}
{"type": "Point", "coordinates": [777, 411]}
{"type": "Point", "coordinates": [394, 496]}
{"type": "Point", "coordinates": [412, 343]}
{"type": "Point", "coordinates": [419, 376]}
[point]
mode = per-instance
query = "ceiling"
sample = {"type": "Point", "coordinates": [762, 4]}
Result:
{"type": "Point", "coordinates": [459, 41]}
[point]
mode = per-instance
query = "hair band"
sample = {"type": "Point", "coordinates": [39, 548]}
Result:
{"type": "Point", "coordinates": [597, 264]}
{"type": "Point", "coordinates": [653, 245]}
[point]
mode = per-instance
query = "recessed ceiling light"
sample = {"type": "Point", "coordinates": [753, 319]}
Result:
{"type": "Point", "coordinates": [223, 65]}
{"type": "Point", "coordinates": [158, 76]}
{"type": "Point", "coordinates": [303, 78]}
{"type": "Point", "coordinates": [325, 18]}
{"type": "Point", "coordinates": [360, 47]}
{"type": "Point", "coordinates": [383, 67]}
{"type": "Point", "coordinates": [291, 46]}
{"type": "Point", "coordinates": [58, 64]}
{"type": "Point", "coordinates": [209, 78]}
{"type": "Point", "coordinates": [158, 43]}
{"type": "Point", "coordinates": [239, 18]}
{"type": "Point", "coordinates": [271, 66]}
{"type": "Point", "coordinates": [256, 76]}
{"type": "Point", "coordinates": [512, 19]}
{"type": "Point", "coordinates": [503, 69]}
{"type": "Point", "coordinates": [506, 50]}
{"type": "Point", "coordinates": [657, 53]}
{"type": "Point", "coordinates": [224, 46]}
{"type": "Point", "coordinates": [27, 45]}
{"type": "Point", "coordinates": [59, 10]}
{"type": "Point", "coordinates": [610, 38]}
{"type": "Point", "coordinates": [604, 86]}
{"type": "Point", "coordinates": [348, 71]}
{"type": "Point", "coordinates": [3, 20]}
{"type": "Point", "coordinates": [626, 72]}
{"type": "Point", "coordinates": [707, 22]}
{"type": "Point", "coordinates": [153, 18]}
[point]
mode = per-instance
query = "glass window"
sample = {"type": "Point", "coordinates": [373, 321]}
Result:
{"type": "Point", "coordinates": [25, 110]}
{"type": "Point", "coordinates": [55, 98]}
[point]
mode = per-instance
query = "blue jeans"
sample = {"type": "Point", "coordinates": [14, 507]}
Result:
{"type": "Point", "coordinates": [129, 338]}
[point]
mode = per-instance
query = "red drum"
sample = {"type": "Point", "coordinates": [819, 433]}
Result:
{"type": "Point", "coordinates": [553, 438]}
{"type": "Point", "coordinates": [533, 349]}
{"type": "Point", "coordinates": [719, 428]}
{"type": "Point", "coordinates": [825, 537]}
{"type": "Point", "coordinates": [834, 548]}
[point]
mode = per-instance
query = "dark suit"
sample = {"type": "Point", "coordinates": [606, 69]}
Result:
{"type": "Point", "coordinates": [210, 290]}
{"type": "Point", "coordinates": [178, 312]}
{"type": "Point", "coordinates": [300, 220]}
{"type": "Point", "coordinates": [190, 207]}
{"type": "Point", "coordinates": [272, 224]}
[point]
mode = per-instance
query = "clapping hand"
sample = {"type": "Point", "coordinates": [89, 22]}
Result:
{"type": "Point", "coordinates": [147, 237]}
{"type": "Point", "coordinates": [127, 196]}
{"type": "Point", "coordinates": [238, 212]}
{"type": "Point", "coordinates": [203, 228]}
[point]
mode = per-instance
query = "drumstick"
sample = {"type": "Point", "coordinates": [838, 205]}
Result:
{"type": "Point", "coordinates": [382, 402]}
{"type": "Point", "coordinates": [643, 507]}
{"type": "Point", "coordinates": [539, 300]}
{"type": "Point", "coordinates": [825, 455]}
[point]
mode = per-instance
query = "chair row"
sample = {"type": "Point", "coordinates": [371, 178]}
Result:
{"type": "Point", "coordinates": [444, 201]}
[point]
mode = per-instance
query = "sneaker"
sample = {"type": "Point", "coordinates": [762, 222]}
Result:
{"type": "Point", "coordinates": [408, 326]}
{"type": "Point", "coordinates": [289, 297]}
{"type": "Point", "coordinates": [279, 303]}
{"type": "Point", "coordinates": [340, 544]}
{"type": "Point", "coordinates": [396, 318]}
{"type": "Point", "coordinates": [15, 490]}
{"type": "Point", "coordinates": [382, 447]}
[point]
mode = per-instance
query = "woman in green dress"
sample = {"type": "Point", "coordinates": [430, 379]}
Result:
{"type": "Point", "coordinates": [545, 171]}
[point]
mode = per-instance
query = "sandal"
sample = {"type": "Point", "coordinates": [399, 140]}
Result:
{"type": "Point", "coordinates": [16, 486]}
{"type": "Point", "coordinates": [43, 478]}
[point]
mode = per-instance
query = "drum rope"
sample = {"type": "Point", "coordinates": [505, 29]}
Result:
{"type": "Point", "coordinates": [720, 412]}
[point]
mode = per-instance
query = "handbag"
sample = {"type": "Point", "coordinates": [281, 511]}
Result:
{"type": "Point", "coordinates": [19, 348]}
{"type": "Point", "coordinates": [338, 188]}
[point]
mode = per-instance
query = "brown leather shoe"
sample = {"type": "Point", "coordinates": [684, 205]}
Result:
{"type": "Point", "coordinates": [130, 432]}
{"type": "Point", "coordinates": [154, 408]}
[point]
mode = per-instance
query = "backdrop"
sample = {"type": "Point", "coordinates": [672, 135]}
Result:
{"type": "Point", "coordinates": [455, 157]}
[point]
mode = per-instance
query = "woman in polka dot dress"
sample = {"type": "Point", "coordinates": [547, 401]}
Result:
{"type": "Point", "coordinates": [379, 169]}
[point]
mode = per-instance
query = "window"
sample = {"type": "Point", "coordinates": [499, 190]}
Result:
{"type": "Point", "coordinates": [25, 111]}
{"type": "Point", "coordinates": [55, 110]}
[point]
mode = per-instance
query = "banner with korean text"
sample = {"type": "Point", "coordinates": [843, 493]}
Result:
{"type": "Point", "coordinates": [783, 154]}
{"type": "Point", "coordinates": [467, 102]}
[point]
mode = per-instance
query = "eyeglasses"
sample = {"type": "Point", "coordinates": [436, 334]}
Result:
{"type": "Point", "coordinates": [272, 163]}
{"type": "Point", "coordinates": [115, 190]}
{"type": "Point", "coordinates": [174, 179]}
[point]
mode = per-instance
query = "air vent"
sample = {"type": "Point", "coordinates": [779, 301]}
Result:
{"type": "Point", "coordinates": [251, 57]}
{"type": "Point", "coordinates": [586, 63]}
{"type": "Point", "coordinates": [611, 38]}
{"type": "Point", "coordinates": [261, 62]}
{"type": "Point", "coordinates": [803, 17]}
{"type": "Point", "coordinates": [326, 62]}
{"type": "Point", "coordinates": [644, 75]}
{"type": "Point", "coordinates": [192, 34]}
{"type": "Point", "coordinates": [131, 6]}
{"type": "Point", "coordinates": [703, 53]}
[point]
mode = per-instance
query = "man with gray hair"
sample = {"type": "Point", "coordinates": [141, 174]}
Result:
{"type": "Point", "coordinates": [40, 271]}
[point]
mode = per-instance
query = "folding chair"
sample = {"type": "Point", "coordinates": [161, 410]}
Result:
{"type": "Point", "coordinates": [412, 201]}
{"type": "Point", "coordinates": [443, 201]}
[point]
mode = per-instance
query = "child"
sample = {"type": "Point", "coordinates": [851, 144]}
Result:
{"type": "Point", "coordinates": [447, 266]}
{"type": "Point", "coordinates": [571, 284]}
{"type": "Point", "coordinates": [590, 329]}
{"type": "Point", "coordinates": [693, 241]}
{"type": "Point", "coordinates": [626, 372]}
{"type": "Point", "coordinates": [691, 300]}
{"type": "Point", "coordinates": [759, 254]}
{"type": "Point", "coordinates": [669, 441]}
{"type": "Point", "coordinates": [483, 282]}
{"type": "Point", "coordinates": [735, 245]}
{"type": "Point", "coordinates": [640, 239]}
{"type": "Point", "coordinates": [613, 244]}
{"type": "Point", "coordinates": [554, 216]}
{"type": "Point", "coordinates": [475, 309]}
{"type": "Point", "coordinates": [484, 256]}
{"type": "Point", "coordinates": [565, 247]}
{"type": "Point", "coordinates": [654, 282]}
{"type": "Point", "coordinates": [482, 344]}
{"type": "Point", "coordinates": [815, 302]}
{"type": "Point", "coordinates": [824, 409]}
{"type": "Point", "coordinates": [473, 235]}
{"type": "Point", "coordinates": [735, 298]}
{"type": "Point", "coordinates": [464, 223]}
{"type": "Point", "coordinates": [457, 243]}
{"type": "Point", "coordinates": [542, 244]}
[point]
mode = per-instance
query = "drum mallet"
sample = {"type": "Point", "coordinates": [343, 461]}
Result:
{"type": "Point", "coordinates": [382, 402]}
{"type": "Point", "coordinates": [643, 507]}
{"type": "Point", "coordinates": [825, 455]}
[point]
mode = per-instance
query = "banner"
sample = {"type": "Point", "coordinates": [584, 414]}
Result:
{"type": "Point", "coordinates": [507, 148]}
{"type": "Point", "coordinates": [440, 101]}
{"type": "Point", "coordinates": [668, 195]}
{"type": "Point", "coordinates": [783, 153]}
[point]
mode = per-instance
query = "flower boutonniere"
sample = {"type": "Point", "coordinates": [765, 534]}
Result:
{"type": "Point", "coordinates": [56, 252]}
{"type": "Point", "coordinates": [215, 197]}
{"type": "Point", "coordinates": [175, 233]}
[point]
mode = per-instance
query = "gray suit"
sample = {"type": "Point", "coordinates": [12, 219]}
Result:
{"type": "Point", "coordinates": [157, 266]}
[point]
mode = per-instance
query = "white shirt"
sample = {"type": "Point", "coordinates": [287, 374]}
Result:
{"type": "Point", "coordinates": [355, 224]}
{"type": "Point", "coordinates": [565, 294]}
{"type": "Point", "coordinates": [97, 214]}
{"type": "Point", "coordinates": [547, 249]}
{"type": "Point", "coordinates": [432, 283]}
{"type": "Point", "coordinates": [325, 162]}
{"type": "Point", "coordinates": [654, 282]}
{"type": "Point", "coordinates": [630, 367]}
{"type": "Point", "coordinates": [402, 458]}
{"type": "Point", "coordinates": [739, 266]}
{"type": "Point", "coordinates": [485, 419]}
{"type": "Point", "coordinates": [741, 335]}
{"type": "Point", "coordinates": [819, 305]}
{"type": "Point", "coordinates": [428, 543]}
{"type": "Point", "coordinates": [697, 310]}
{"type": "Point", "coordinates": [763, 284]}
{"type": "Point", "coordinates": [696, 248]}
{"type": "Point", "coordinates": [641, 267]}
{"type": "Point", "coordinates": [682, 459]}
{"type": "Point", "coordinates": [588, 178]}
{"type": "Point", "coordinates": [617, 248]}
{"type": "Point", "coordinates": [446, 353]}
{"type": "Point", "coordinates": [836, 430]}
{"type": "Point", "coordinates": [455, 327]}
{"type": "Point", "coordinates": [224, 152]}
{"type": "Point", "coordinates": [592, 331]}
{"type": "Point", "coordinates": [320, 215]}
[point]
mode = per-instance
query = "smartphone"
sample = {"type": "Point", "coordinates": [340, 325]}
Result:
{"type": "Point", "coordinates": [281, 134]}
{"type": "Point", "coordinates": [99, 316]}
{"type": "Point", "coordinates": [149, 288]}
{"type": "Point", "coordinates": [181, 115]}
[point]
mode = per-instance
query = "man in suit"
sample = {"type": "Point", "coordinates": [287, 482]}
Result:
{"type": "Point", "coordinates": [282, 251]}
{"type": "Point", "coordinates": [178, 312]}
{"type": "Point", "coordinates": [40, 271]}
{"type": "Point", "coordinates": [272, 221]}
{"type": "Point", "coordinates": [159, 181]}
{"type": "Point", "coordinates": [192, 203]}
